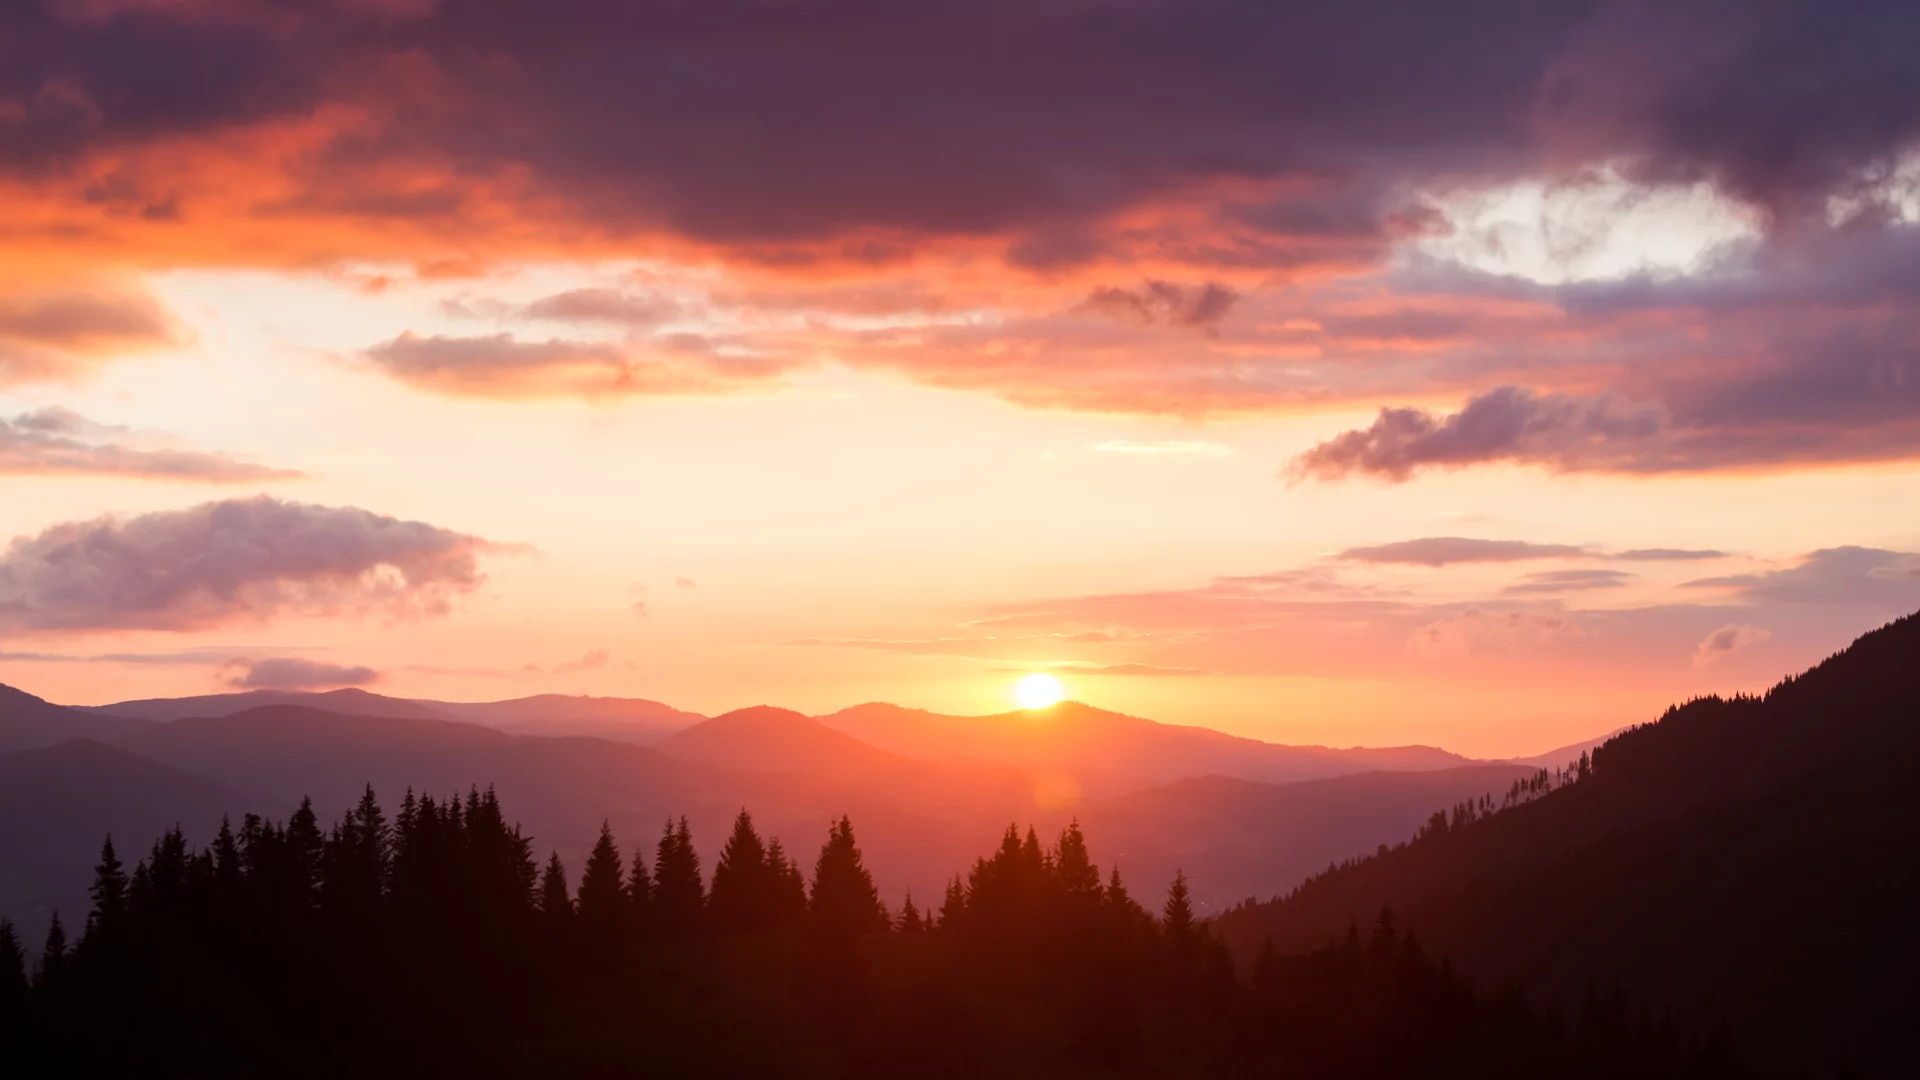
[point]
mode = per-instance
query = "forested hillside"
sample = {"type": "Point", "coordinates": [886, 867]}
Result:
{"type": "Point", "coordinates": [1751, 858]}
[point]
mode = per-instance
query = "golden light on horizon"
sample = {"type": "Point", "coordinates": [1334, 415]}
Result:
{"type": "Point", "coordinates": [1037, 691]}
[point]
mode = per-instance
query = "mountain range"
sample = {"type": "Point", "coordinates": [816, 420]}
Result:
{"type": "Point", "coordinates": [925, 796]}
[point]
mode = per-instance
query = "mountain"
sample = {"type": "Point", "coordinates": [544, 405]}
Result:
{"type": "Point", "coordinates": [59, 802]}
{"type": "Point", "coordinates": [634, 720]}
{"type": "Point", "coordinates": [1565, 755]}
{"type": "Point", "coordinates": [347, 702]}
{"type": "Point", "coordinates": [1752, 859]}
{"type": "Point", "coordinates": [1236, 838]}
{"type": "Point", "coordinates": [28, 723]}
{"type": "Point", "coordinates": [1107, 753]}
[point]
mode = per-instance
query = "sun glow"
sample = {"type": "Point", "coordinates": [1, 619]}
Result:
{"type": "Point", "coordinates": [1037, 691]}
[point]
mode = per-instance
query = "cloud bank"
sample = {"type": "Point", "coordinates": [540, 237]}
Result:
{"type": "Point", "coordinates": [223, 562]}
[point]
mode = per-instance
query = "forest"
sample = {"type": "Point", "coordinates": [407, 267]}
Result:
{"type": "Point", "coordinates": [435, 942]}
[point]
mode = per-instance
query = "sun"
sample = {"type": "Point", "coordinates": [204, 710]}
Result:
{"type": "Point", "coordinates": [1037, 691]}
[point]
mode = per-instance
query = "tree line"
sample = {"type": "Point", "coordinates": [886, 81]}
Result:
{"type": "Point", "coordinates": [436, 943]}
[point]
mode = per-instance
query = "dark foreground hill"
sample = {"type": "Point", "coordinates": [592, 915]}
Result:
{"type": "Point", "coordinates": [1756, 859]}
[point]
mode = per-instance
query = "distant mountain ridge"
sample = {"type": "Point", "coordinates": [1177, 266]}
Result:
{"type": "Point", "coordinates": [1112, 751]}
{"type": "Point", "coordinates": [29, 723]}
{"type": "Point", "coordinates": [621, 719]}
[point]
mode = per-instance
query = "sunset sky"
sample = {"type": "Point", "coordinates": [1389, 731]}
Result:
{"type": "Point", "coordinates": [1487, 381]}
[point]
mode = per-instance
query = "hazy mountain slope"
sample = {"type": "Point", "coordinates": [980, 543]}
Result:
{"type": "Point", "coordinates": [1753, 858]}
{"type": "Point", "coordinates": [58, 803]}
{"type": "Point", "coordinates": [1110, 752]}
{"type": "Point", "coordinates": [635, 720]}
{"type": "Point", "coordinates": [1562, 756]}
{"type": "Point", "coordinates": [346, 702]}
{"type": "Point", "coordinates": [29, 723]}
{"type": "Point", "coordinates": [1238, 838]}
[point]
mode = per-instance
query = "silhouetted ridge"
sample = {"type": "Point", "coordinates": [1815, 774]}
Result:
{"type": "Point", "coordinates": [1719, 862]}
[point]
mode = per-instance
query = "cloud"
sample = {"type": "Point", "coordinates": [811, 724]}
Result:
{"type": "Point", "coordinates": [294, 673]}
{"type": "Point", "coordinates": [235, 560]}
{"type": "Point", "coordinates": [1842, 575]}
{"type": "Point", "coordinates": [1726, 641]}
{"type": "Point", "coordinates": [1189, 305]}
{"type": "Point", "coordinates": [1667, 555]}
{"type": "Point", "coordinates": [1059, 195]}
{"type": "Point", "coordinates": [593, 660]}
{"type": "Point", "coordinates": [56, 441]}
{"type": "Point", "coordinates": [1558, 581]}
{"type": "Point", "coordinates": [685, 583]}
{"type": "Point", "coordinates": [497, 365]}
{"type": "Point", "coordinates": [1163, 448]}
{"type": "Point", "coordinates": [1444, 550]}
{"type": "Point", "coordinates": [602, 306]}
{"type": "Point", "coordinates": [1479, 630]}
{"type": "Point", "coordinates": [1507, 424]}
{"type": "Point", "coordinates": [54, 335]}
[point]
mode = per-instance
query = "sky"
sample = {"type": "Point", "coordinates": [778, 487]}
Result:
{"type": "Point", "coordinates": [1488, 376]}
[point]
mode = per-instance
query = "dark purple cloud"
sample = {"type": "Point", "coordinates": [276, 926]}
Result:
{"type": "Point", "coordinates": [747, 121]}
{"type": "Point", "coordinates": [1181, 305]}
{"type": "Point", "coordinates": [226, 561]}
{"type": "Point", "coordinates": [296, 673]}
{"type": "Point", "coordinates": [1667, 555]}
{"type": "Point", "coordinates": [55, 441]}
{"type": "Point", "coordinates": [1443, 550]}
{"type": "Point", "coordinates": [1507, 424]}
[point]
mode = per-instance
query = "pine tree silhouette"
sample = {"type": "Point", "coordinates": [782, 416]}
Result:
{"type": "Point", "coordinates": [1177, 917]}
{"type": "Point", "coordinates": [679, 894]}
{"type": "Point", "coordinates": [556, 902]}
{"type": "Point", "coordinates": [910, 921]}
{"type": "Point", "coordinates": [109, 893]}
{"type": "Point", "coordinates": [14, 988]}
{"type": "Point", "coordinates": [744, 894]}
{"type": "Point", "coordinates": [51, 973]}
{"type": "Point", "coordinates": [603, 912]}
{"type": "Point", "coordinates": [844, 902]}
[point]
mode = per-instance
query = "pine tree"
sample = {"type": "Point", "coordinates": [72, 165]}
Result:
{"type": "Point", "coordinates": [226, 861]}
{"type": "Point", "coordinates": [14, 988]}
{"type": "Point", "coordinates": [844, 902]}
{"type": "Point", "coordinates": [639, 895]}
{"type": "Point", "coordinates": [742, 900]}
{"type": "Point", "coordinates": [910, 921]}
{"type": "Point", "coordinates": [602, 898]}
{"type": "Point", "coordinates": [556, 903]}
{"type": "Point", "coordinates": [1176, 918]}
{"type": "Point", "coordinates": [51, 973]}
{"type": "Point", "coordinates": [679, 895]}
{"type": "Point", "coordinates": [1075, 869]}
{"type": "Point", "coordinates": [789, 885]}
{"type": "Point", "coordinates": [305, 843]}
{"type": "Point", "coordinates": [109, 892]}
